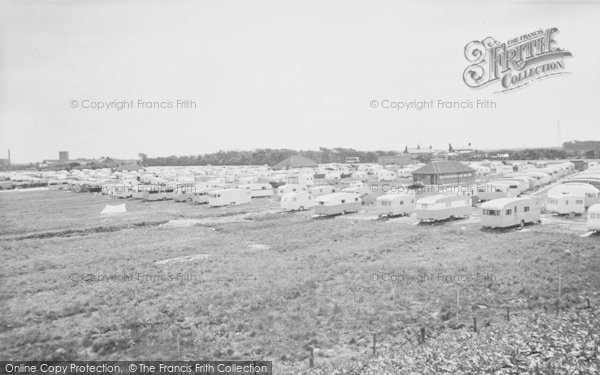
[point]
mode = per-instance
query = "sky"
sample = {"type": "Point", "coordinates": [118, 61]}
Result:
{"type": "Point", "coordinates": [280, 74]}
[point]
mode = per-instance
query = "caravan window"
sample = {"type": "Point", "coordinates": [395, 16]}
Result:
{"type": "Point", "coordinates": [343, 201]}
{"type": "Point", "coordinates": [526, 209]}
{"type": "Point", "coordinates": [509, 211]}
{"type": "Point", "coordinates": [384, 203]}
{"type": "Point", "coordinates": [401, 203]}
{"type": "Point", "coordinates": [491, 212]}
{"type": "Point", "coordinates": [578, 202]}
{"type": "Point", "coordinates": [356, 199]}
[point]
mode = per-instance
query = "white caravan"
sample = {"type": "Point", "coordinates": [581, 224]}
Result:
{"type": "Point", "coordinates": [297, 201]}
{"type": "Point", "coordinates": [590, 193]}
{"type": "Point", "coordinates": [337, 203]}
{"type": "Point", "coordinates": [565, 204]}
{"type": "Point", "coordinates": [443, 207]}
{"type": "Point", "coordinates": [322, 190]}
{"type": "Point", "coordinates": [593, 221]}
{"type": "Point", "coordinates": [494, 190]}
{"type": "Point", "coordinates": [290, 188]}
{"type": "Point", "coordinates": [224, 197]}
{"type": "Point", "coordinates": [157, 193]}
{"type": "Point", "coordinates": [258, 190]}
{"type": "Point", "coordinates": [201, 196]}
{"type": "Point", "coordinates": [395, 204]}
{"type": "Point", "coordinates": [509, 212]}
{"type": "Point", "coordinates": [517, 184]}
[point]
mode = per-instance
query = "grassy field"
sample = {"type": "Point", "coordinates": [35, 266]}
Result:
{"type": "Point", "coordinates": [180, 281]}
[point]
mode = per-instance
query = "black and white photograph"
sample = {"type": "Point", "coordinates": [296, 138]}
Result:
{"type": "Point", "coordinates": [302, 187]}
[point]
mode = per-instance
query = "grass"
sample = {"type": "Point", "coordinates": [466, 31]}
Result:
{"type": "Point", "coordinates": [311, 285]}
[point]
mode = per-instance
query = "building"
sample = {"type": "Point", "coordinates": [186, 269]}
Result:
{"type": "Point", "coordinates": [295, 161]}
{"type": "Point", "coordinates": [63, 156]}
{"type": "Point", "coordinates": [444, 173]}
{"type": "Point", "coordinates": [426, 155]}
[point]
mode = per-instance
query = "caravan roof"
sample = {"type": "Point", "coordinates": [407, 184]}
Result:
{"type": "Point", "coordinates": [574, 186]}
{"type": "Point", "coordinates": [500, 203]}
{"type": "Point", "coordinates": [390, 197]}
{"type": "Point", "coordinates": [432, 199]}
{"type": "Point", "coordinates": [332, 196]}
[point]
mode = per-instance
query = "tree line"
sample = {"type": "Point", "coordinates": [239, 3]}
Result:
{"type": "Point", "coordinates": [264, 156]}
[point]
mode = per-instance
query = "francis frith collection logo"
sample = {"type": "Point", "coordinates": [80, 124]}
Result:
{"type": "Point", "coordinates": [515, 63]}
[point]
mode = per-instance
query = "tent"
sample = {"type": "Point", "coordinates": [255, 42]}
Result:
{"type": "Point", "coordinates": [114, 209]}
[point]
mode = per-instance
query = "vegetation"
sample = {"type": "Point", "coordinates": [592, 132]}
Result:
{"type": "Point", "coordinates": [260, 284]}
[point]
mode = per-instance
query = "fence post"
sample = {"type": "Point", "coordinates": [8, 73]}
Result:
{"type": "Point", "coordinates": [311, 359]}
{"type": "Point", "coordinates": [508, 313]}
{"type": "Point", "coordinates": [457, 303]}
{"type": "Point", "coordinates": [474, 324]}
{"type": "Point", "coordinates": [559, 291]}
{"type": "Point", "coordinates": [374, 344]}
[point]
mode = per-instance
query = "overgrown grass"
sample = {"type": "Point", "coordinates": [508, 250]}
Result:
{"type": "Point", "coordinates": [311, 286]}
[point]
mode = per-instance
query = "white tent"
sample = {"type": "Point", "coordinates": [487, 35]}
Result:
{"type": "Point", "coordinates": [114, 209]}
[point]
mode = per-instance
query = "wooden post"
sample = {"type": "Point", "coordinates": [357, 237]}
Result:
{"type": "Point", "coordinates": [559, 291]}
{"type": "Point", "coordinates": [374, 344]}
{"type": "Point", "coordinates": [474, 324]}
{"type": "Point", "coordinates": [422, 336]}
{"type": "Point", "coordinates": [587, 303]}
{"type": "Point", "coordinates": [508, 313]}
{"type": "Point", "coordinates": [311, 359]}
{"type": "Point", "coordinates": [457, 303]}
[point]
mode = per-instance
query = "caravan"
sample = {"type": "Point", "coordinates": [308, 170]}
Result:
{"type": "Point", "coordinates": [337, 203]}
{"type": "Point", "coordinates": [494, 190]}
{"type": "Point", "coordinates": [200, 196]}
{"type": "Point", "coordinates": [395, 205]}
{"type": "Point", "coordinates": [120, 191]}
{"type": "Point", "coordinates": [224, 197]}
{"type": "Point", "coordinates": [509, 212]}
{"type": "Point", "coordinates": [443, 207]}
{"type": "Point", "coordinates": [184, 192]}
{"type": "Point", "coordinates": [297, 201]}
{"type": "Point", "coordinates": [258, 190]}
{"type": "Point", "coordinates": [587, 191]}
{"type": "Point", "coordinates": [593, 222]}
{"type": "Point", "coordinates": [290, 188]}
{"type": "Point", "coordinates": [157, 193]}
{"type": "Point", "coordinates": [322, 190]}
{"type": "Point", "coordinates": [565, 204]}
